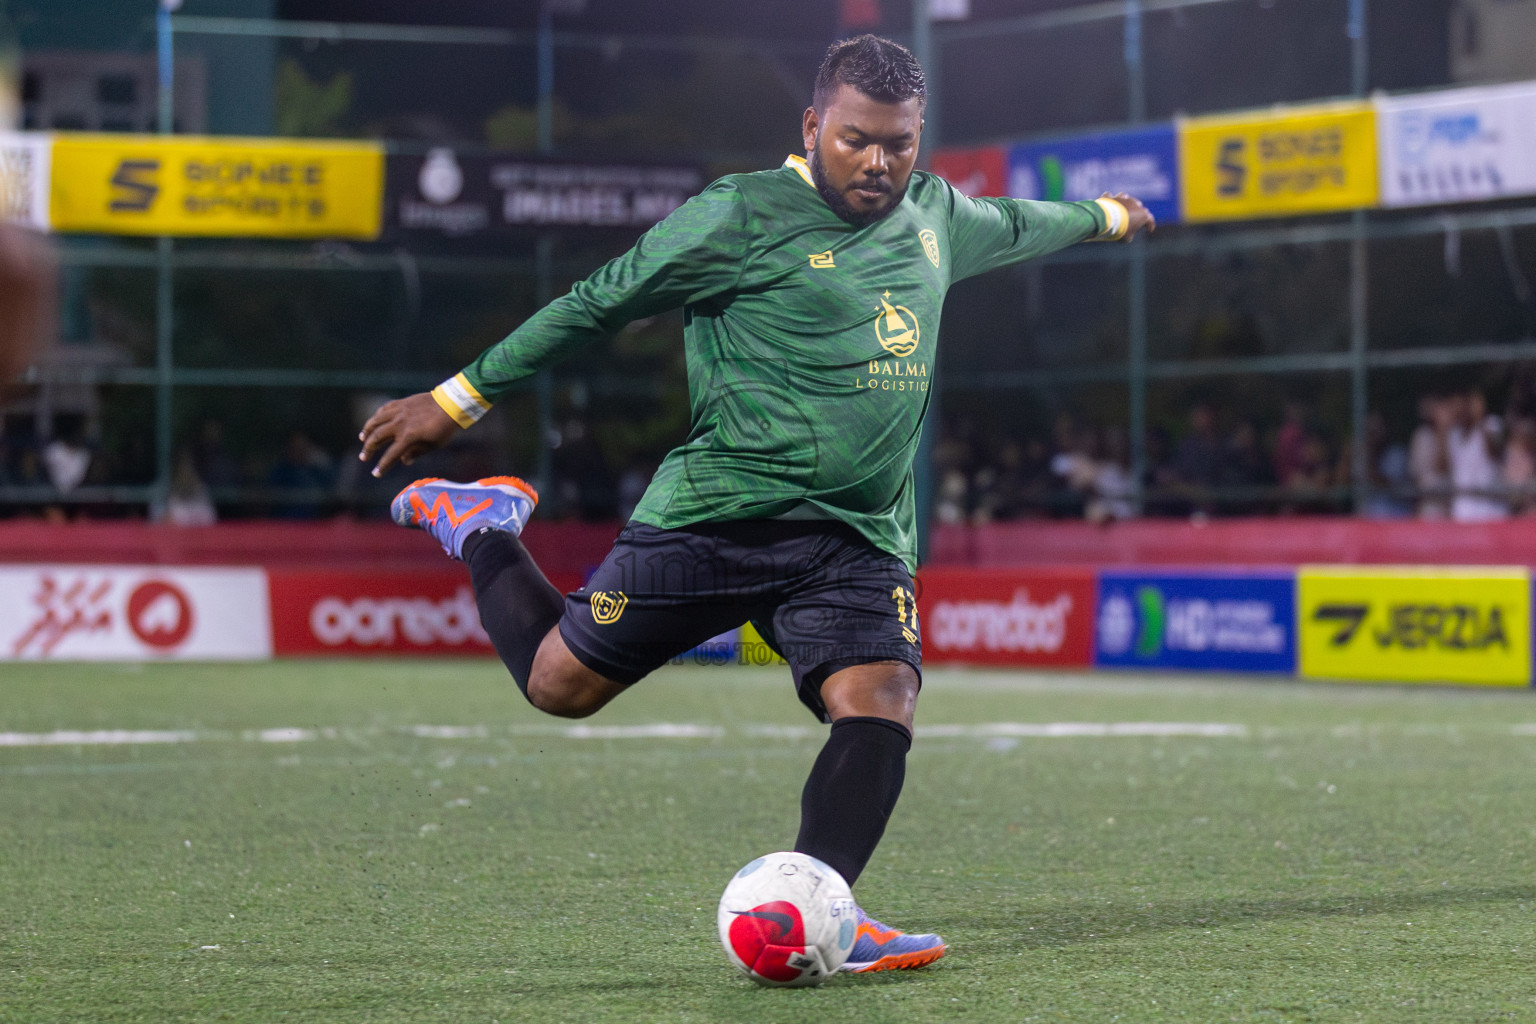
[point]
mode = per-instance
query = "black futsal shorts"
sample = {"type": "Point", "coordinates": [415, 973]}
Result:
{"type": "Point", "coordinates": [822, 597]}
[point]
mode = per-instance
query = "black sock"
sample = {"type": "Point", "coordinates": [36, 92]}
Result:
{"type": "Point", "coordinates": [851, 792]}
{"type": "Point", "coordinates": [518, 606]}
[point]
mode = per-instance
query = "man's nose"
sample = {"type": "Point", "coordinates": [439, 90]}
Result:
{"type": "Point", "coordinates": [876, 165]}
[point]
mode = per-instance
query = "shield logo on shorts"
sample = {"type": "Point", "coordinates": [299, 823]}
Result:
{"type": "Point", "coordinates": [607, 606]}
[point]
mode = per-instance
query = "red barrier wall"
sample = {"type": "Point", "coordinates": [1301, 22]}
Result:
{"type": "Point", "coordinates": [1296, 541]}
{"type": "Point", "coordinates": [560, 548]}
{"type": "Point", "coordinates": [575, 548]}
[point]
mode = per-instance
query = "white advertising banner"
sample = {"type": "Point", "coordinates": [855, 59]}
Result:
{"type": "Point", "coordinates": [24, 178]}
{"type": "Point", "coordinates": [133, 613]}
{"type": "Point", "coordinates": [1456, 146]}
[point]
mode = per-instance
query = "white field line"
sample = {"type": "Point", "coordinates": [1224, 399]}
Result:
{"type": "Point", "coordinates": [658, 730]}
{"type": "Point", "coordinates": [98, 737]}
{"type": "Point", "coordinates": [1056, 730]}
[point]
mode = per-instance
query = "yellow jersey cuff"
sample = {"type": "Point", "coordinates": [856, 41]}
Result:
{"type": "Point", "coordinates": [458, 398]}
{"type": "Point", "coordinates": [1117, 221]}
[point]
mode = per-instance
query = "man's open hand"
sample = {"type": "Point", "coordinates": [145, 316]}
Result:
{"type": "Point", "coordinates": [404, 429]}
{"type": "Point", "coordinates": [1140, 216]}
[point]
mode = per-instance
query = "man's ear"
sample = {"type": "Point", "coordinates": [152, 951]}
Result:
{"type": "Point", "coordinates": [810, 124]}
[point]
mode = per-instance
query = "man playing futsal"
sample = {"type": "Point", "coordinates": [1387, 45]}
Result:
{"type": "Point", "coordinates": [811, 297]}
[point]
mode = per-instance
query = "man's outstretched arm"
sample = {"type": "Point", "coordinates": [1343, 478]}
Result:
{"type": "Point", "coordinates": [693, 254]}
{"type": "Point", "coordinates": [989, 233]}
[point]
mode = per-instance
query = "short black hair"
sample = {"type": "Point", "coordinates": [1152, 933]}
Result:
{"type": "Point", "coordinates": [879, 68]}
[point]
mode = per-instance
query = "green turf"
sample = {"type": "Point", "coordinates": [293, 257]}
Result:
{"type": "Point", "coordinates": [1361, 854]}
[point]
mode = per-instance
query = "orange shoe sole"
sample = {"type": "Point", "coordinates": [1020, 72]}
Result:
{"type": "Point", "coordinates": [510, 481]}
{"type": "Point", "coordinates": [902, 961]}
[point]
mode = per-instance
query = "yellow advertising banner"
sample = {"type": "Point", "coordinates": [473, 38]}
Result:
{"type": "Point", "coordinates": [1304, 160]}
{"type": "Point", "coordinates": [1415, 625]}
{"type": "Point", "coordinates": [272, 188]}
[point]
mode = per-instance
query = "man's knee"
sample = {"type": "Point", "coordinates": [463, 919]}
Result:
{"type": "Point", "coordinates": [882, 689]}
{"type": "Point", "coordinates": [562, 686]}
{"type": "Point", "coordinates": [557, 697]}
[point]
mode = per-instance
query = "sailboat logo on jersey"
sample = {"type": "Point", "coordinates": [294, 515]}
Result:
{"type": "Point", "coordinates": [896, 328]}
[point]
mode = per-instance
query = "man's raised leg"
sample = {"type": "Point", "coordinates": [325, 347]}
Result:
{"type": "Point", "coordinates": [479, 523]}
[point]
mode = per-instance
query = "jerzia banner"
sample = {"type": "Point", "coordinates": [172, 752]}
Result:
{"type": "Point", "coordinates": [1420, 624]}
{"type": "Point", "coordinates": [457, 195]}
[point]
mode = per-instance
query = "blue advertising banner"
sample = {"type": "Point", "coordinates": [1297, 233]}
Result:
{"type": "Point", "coordinates": [1143, 162]}
{"type": "Point", "coordinates": [1216, 621]}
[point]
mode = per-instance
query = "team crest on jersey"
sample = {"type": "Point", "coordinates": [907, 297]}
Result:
{"type": "Point", "coordinates": [607, 606]}
{"type": "Point", "coordinates": [896, 328]}
{"type": "Point", "coordinates": [930, 245]}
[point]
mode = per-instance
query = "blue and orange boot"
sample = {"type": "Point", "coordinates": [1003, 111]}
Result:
{"type": "Point", "coordinates": [450, 512]}
{"type": "Point", "coordinates": [878, 948]}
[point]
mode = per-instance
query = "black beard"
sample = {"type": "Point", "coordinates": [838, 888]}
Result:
{"type": "Point", "coordinates": [839, 202]}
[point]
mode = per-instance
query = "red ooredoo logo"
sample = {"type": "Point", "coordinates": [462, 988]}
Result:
{"type": "Point", "coordinates": [159, 614]}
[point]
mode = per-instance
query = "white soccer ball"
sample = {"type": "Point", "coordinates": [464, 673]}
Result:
{"type": "Point", "coordinates": [787, 920]}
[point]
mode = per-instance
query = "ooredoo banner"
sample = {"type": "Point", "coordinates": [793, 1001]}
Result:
{"type": "Point", "coordinates": [1007, 616]}
{"type": "Point", "coordinates": [24, 178]}
{"type": "Point", "coordinates": [132, 613]}
{"type": "Point", "coordinates": [1458, 145]}
{"type": "Point", "coordinates": [375, 613]}
{"type": "Point", "coordinates": [1418, 624]}
{"type": "Point", "coordinates": [1143, 163]}
{"type": "Point", "coordinates": [1234, 622]}
{"type": "Point", "coordinates": [1304, 160]}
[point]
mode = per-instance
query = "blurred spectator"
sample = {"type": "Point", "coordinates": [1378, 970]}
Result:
{"type": "Point", "coordinates": [305, 470]}
{"type": "Point", "coordinates": [1113, 487]}
{"type": "Point", "coordinates": [187, 503]}
{"type": "Point", "coordinates": [1244, 468]}
{"type": "Point", "coordinates": [1429, 467]}
{"type": "Point", "coordinates": [67, 458]}
{"type": "Point", "coordinates": [997, 488]}
{"type": "Point", "coordinates": [1519, 471]}
{"type": "Point", "coordinates": [1473, 450]}
{"type": "Point", "coordinates": [1197, 462]}
{"type": "Point", "coordinates": [214, 464]}
{"type": "Point", "coordinates": [1291, 444]}
{"type": "Point", "coordinates": [1075, 464]}
{"type": "Point", "coordinates": [1311, 476]}
{"type": "Point", "coordinates": [1387, 462]}
{"type": "Point", "coordinates": [950, 505]}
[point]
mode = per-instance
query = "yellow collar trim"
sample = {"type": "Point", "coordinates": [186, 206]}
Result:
{"type": "Point", "coordinates": [801, 168]}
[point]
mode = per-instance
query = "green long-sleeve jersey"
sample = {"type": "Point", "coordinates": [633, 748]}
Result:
{"type": "Point", "coordinates": [810, 342]}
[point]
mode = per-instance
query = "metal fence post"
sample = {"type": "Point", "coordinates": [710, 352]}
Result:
{"type": "Point", "coordinates": [544, 250]}
{"type": "Point", "coordinates": [923, 481]}
{"type": "Point", "coordinates": [165, 305]}
{"type": "Point", "coordinates": [1359, 284]}
{"type": "Point", "coordinates": [1136, 274]}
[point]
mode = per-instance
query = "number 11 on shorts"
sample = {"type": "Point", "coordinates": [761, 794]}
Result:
{"type": "Point", "coordinates": [905, 599]}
